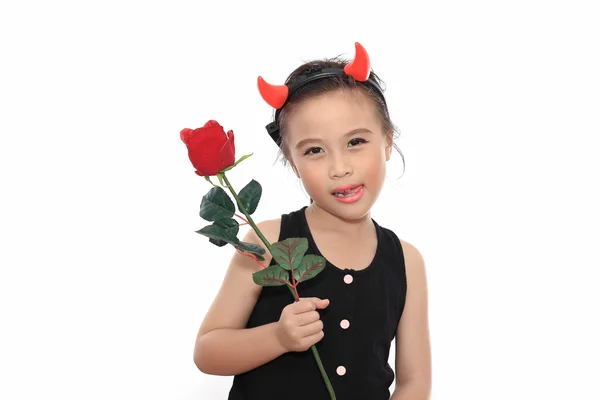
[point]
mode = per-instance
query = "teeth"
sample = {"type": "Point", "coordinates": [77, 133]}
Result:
{"type": "Point", "coordinates": [346, 192]}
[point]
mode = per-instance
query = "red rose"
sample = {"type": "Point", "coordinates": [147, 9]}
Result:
{"type": "Point", "coordinates": [210, 149]}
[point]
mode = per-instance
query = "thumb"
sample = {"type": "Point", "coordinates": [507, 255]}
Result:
{"type": "Point", "coordinates": [322, 303]}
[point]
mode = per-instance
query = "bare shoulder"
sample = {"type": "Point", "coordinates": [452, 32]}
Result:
{"type": "Point", "coordinates": [270, 228]}
{"type": "Point", "coordinates": [413, 259]}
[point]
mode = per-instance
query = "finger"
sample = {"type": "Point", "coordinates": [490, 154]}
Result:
{"type": "Point", "coordinates": [307, 317]}
{"type": "Point", "coordinates": [322, 303]}
{"type": "Point", "coordinates": [310, 329]}
{"type": "Point", "coordinates": [314, 338]}
{"type": "Point", "coordinates": [309, 304]}
{"type": "Point", "coordinates": [304, 305]}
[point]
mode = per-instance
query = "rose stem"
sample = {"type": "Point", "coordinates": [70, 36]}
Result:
{"type": "Point", "coordinates": [268, 245]}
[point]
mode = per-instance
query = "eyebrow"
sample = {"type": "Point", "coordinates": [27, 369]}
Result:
{"type": "Point", "coordinates": [352, 132]}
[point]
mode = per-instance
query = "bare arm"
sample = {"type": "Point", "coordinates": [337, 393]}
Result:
{"type": "Point", "coordinates": [413, 349]}
{"type": "Point", "coordinates": [226, 351]}
{"type": "Point", "coordinates": [223, 346]}
{"type": "Point", "coordinates": [410, 390]}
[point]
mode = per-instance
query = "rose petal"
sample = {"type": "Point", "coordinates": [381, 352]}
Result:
{"type": "Point", "coordinates": [231, 144]}
{"type": "Point", "coordinates": [186, 134]}
{"type": "Point", "coordinates": [210, 149]}
{"type": "Point", "coordinates": [205, 152]}
{"type": "Point", "coordinates": [211, 123]}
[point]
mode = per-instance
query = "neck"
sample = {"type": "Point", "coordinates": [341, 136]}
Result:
{"type": "Point", "coordinates": [325, 220]}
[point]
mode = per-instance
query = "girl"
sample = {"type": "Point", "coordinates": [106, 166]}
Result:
{"type": "Point", "coordinates": [333, 128]}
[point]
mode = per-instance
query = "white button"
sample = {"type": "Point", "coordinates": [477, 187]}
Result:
{"type": "Point", "coordinates": [348, 279]}
{"type": "Point", "coordinates": [345, 324]}
{"type": "Point", "coordinates": [341, 370]}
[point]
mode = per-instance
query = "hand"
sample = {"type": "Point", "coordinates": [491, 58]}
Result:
{"type": "Point", "coordinates": [300, 326]}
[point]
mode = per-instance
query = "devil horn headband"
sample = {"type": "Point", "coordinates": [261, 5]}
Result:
{"type": "Point", "coordinates": [277, 95]}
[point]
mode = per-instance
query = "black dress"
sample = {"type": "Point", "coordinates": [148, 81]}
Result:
{"type": "Point", "coordinates": [359, 324]}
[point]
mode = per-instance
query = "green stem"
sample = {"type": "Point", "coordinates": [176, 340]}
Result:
{"type": "Point", "coordinates": [268, 245]}
{"type": "Point", "coordinates": [243, 210]}
{"type": "Point", "coordinates": [323, 373]}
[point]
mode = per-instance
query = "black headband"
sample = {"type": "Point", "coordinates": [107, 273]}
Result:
{"type": "Point", "coordinates": [273, 127]}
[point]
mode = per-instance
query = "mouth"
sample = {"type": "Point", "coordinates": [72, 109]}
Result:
{"type": "Point", "coordinates": [346, 191]}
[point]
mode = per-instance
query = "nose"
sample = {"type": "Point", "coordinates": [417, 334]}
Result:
{"type": "Point", "coordinates": [340, 166]}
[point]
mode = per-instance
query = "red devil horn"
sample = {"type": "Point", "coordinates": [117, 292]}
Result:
{"type": "Point", "coordinates": [274, 95]}
{"type": "Point", "coordinates": [360, 67]}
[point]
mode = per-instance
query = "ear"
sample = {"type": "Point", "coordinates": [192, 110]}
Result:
{"type": "Point", "coordinates": [389, 142]}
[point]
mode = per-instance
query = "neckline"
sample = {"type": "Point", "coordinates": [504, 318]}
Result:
{"type": "Point", "coordinates": [313, 245]}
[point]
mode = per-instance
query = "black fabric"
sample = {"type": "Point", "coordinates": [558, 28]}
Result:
{"type": "Point", "coordinates": [373, 304]}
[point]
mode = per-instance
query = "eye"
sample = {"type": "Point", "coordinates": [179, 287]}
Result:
{"type": "Point", "coordinates": [312, 151]}
{"type": "Point", "coordinates": [357, 141]}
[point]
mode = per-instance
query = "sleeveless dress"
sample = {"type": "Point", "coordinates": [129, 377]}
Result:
{"type": "Point", "coordinates": [359, 325]}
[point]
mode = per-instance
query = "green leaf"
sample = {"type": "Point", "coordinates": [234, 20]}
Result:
{"type": "Point", "coordinates": [217, 233]}
{"type": "Point", "coordinates": [310, 266]}
{"type": "Point", "coordinates": [216, 205]}
{"type": "Point", "coordinates": [288, 253]}
{"type": "Point", "coordinates": [251, 248]}
{"type": "Point", "coordinates": [250, 196]}
{"type": "Point", "coordinates": [230, 226]}
{"type": "Point", "coordinates": [271, 276]}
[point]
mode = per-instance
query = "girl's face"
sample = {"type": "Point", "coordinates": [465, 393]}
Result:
{"type": "Point", "coordinates": [336, 140]}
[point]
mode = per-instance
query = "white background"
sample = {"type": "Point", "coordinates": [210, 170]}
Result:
{"type": "Point", "coordinates": [104, 281]}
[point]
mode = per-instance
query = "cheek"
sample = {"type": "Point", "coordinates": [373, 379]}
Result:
{"type": "Point", "coordinates": [376, 170]}
{"type": "Point", "coordinates": [311, 176]}
{"type": "Point", "coordinates": [307, 173]}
